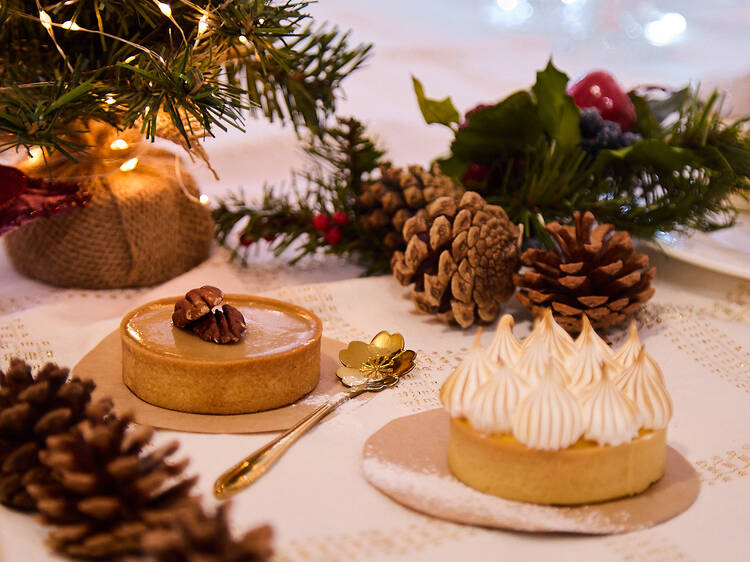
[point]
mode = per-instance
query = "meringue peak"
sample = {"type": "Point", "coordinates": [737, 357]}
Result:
{"type": "Point", "coordinates": [628, 352]}
{"type": "Point", "coordinates": [549, 418]}
{"type": "Point", "coordinates": [643, 382]}
{"type": "Point", "coordinates": [610, 417]}
{"type": "Point", "coordinates": [459, 388]}
{"type": "Point", "coordinates": [505, 349]}
{"type": "Point", "coordinates": [495, 402]}
{"type": "Point", "coordinates": [585, 367]}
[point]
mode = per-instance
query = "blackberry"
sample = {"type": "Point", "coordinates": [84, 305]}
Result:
{"type": "Point", "coordinates": [609, 136]}
{"type": "Point", "coordinates": [590, 122]}
{"type": "Point", "coordinates": [631, 138]}
{"type": "Point", "coordinates": [598, 133]}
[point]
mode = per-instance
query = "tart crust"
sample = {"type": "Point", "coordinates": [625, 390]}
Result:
{"type": "Point", "coordinates": [583, 473]}
{"type": "Point", "coordinates": [276, 362]}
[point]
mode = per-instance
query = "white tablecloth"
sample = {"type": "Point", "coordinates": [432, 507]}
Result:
{"type": "Point", "coordinates": [316, 498]}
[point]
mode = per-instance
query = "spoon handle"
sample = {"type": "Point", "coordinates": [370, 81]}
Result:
{"type": "Point", "coordinates": [258, 463]}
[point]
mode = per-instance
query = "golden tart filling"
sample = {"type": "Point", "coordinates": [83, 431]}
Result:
{"type": "Point", "coordinates": [275, 362]}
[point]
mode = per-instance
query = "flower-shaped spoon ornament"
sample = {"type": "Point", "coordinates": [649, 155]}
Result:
{"type": "Point", "coordinates": [367, 368]}
{"type": "Point", "coordinates": [384, 357]}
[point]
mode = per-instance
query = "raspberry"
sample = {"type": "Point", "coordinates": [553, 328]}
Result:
{"type": "Point", "coordinates": [246, 240]}
{"type": "Point", "coordinates": [334, 236]}
{"type": "Point", "coordinates": [321, 222]}
{"type": "Point", "coordinates": [340, 218]}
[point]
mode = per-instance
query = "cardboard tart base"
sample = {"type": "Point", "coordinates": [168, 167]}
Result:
{"type": "Point", "coordinates": [103, 365]}
{"type": "Point", "coordinates": [407, 460]}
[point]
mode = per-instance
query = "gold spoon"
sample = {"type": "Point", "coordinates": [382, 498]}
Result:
{"type": "Point", "coordinates": [367, 368]}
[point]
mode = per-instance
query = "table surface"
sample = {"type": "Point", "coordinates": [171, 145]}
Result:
{"type": "Point", "coordinates": [316, 498]}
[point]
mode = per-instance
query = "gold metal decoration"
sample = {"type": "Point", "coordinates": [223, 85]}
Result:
{"type": "Point", "coordinates": [384, 356]}
{"type": "Point", "coordinates": [367, 368]}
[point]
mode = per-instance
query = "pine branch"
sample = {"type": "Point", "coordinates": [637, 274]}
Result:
{"type": "Point", "coordinates": [342, 158]}
{"type": "Point", "coordinates": [127, 63]}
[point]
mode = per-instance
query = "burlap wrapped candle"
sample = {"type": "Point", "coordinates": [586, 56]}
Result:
{"type": "Point", "coordinates": [143, 225]}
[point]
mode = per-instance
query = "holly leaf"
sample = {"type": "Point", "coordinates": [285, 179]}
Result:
{"type": "Point", "coordinates": [513, 124]}
{"type": "Point", "coordinates": [557, 110]}
{"type": "Point", "coordinates": [435, 111]}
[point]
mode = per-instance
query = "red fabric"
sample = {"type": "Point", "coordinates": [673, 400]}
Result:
{"type": "Point", "coordinates": [24, 199]}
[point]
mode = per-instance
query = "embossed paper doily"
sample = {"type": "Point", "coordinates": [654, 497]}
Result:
{"type": "Point", "coordinates": [103, 365]}
{"type": "Point", "coordinates": [407, 460]}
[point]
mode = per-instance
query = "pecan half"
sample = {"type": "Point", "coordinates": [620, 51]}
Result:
{"type": "Point", "coordinates": [196, 304]}
{"type": "Point", "coordinates": [222, 326]}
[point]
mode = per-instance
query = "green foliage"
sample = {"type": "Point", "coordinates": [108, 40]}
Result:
{"type": "Point", "coordinates": [512, 125]}
{"type": "Point", "coordinates": [343, 157]}
{"type": "Point", "coordinates": [435, 111]}
{"type": "Point", "coordinates": [557, 110]}
{"type": "Point", "coordinates": [126, 63]}
{"type": "Point", "coordinates": [678, 177]}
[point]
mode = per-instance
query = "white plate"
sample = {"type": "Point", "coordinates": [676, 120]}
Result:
{"type": "Point", "coordinates": [726, 250]}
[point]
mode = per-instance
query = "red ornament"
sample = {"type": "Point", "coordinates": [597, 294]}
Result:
{"type": "Point", "coordinates": [246, 240]}
{"type": "Point", "coordinates": [334, 236]}
{"type": "Point", "coordinates": [600, 90]}
{"type": "Point", "coordinates": [476, 174]}
{"type": "Point", "coordinates": [340, 218]}
{"type": "Point", "coordinates": [321, 222]}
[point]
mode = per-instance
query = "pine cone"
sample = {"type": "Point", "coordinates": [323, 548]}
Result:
{"type": "Point", "coordinates": [105, 491]}
{"type": "Point", "coordinates": [594, 271]}
{"type": "Point", "coordinates": [196, 537]}
{"type": "Point", "coordinates": [31, 409]}
{"type": "Point", "coordinates": [385, 205]}
{"type": "Point", "coordinates": [461, 258]}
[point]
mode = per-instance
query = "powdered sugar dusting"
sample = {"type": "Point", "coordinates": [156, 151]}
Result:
{"type": "Point", "coordinates": [407, 459]}
{"type": "Point", "coordinates": [427, 490]}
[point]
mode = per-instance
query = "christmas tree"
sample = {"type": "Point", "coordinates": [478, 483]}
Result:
{"type": "Point", "coordinates": [177, 70]}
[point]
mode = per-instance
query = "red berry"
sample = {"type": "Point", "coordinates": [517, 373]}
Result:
{"type": "Point", "coordinates": [246, 240]}
{"type": "Point", "coordinates": [269, 237]}
{"type": "Point", "coordinates": [340, 218]}
{"type": "Point", "coordinates": [475, 174]}
{"type": "Point", "coordinates": [333, 235]}
{"type": "Point", "coordinates": [600, 90]}
{"type": "Point", "coordinates": [321, 222]}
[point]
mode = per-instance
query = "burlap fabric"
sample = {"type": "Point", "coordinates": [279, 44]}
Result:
{"type": "Point", "coordinates": [140, 227]}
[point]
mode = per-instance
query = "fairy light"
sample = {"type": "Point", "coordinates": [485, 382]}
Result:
{"type": "Point", "coordinates": [109, 100]}
{"type": "Point", "coordinates": [165, 8]}
{"type": "Point", "coordinates": [146, 109]}
{"type": "Point", "coordinates": [35, 154]}
{"type": "Point", "coordinates": [130, 59]}
{"type": "Point", "coordinates": [46, 20]}
{"type": "Point", "coordinates": [244, 40]}
{"type": "Point", "coordinates": [71, 25]}
{"type": "Point", "coordinates": [118, 144]}
{"type": "Point", "coordinates": [261, 21]}
{"type": "Point", "coordinates": [203, 24]}
{"type": "Point", "coordinates": [204, 199]}
{"type": "Point", "coordinates": [129, 164]}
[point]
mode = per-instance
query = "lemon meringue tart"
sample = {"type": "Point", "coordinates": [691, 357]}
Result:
{"type": "Point", "coordinates": [557, 421]}
{"type": "Point", "coordinates": [275, 362]}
